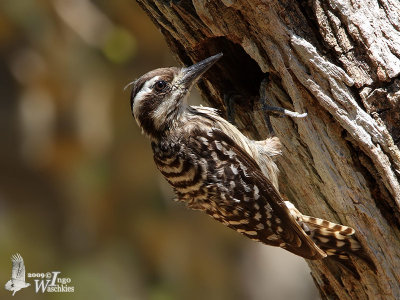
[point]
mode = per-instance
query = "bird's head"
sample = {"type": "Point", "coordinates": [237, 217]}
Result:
{"type": "Point", "coordinates": [158, 97]}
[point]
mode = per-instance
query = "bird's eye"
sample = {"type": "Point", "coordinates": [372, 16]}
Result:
{"type": "Point", "coordinates": [160, 85]}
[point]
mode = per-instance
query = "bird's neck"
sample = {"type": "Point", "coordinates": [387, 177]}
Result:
{"type": "Point", "coordinates": [160, 124]}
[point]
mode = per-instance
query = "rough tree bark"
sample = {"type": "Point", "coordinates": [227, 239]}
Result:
{"type": "Point", "coordinates": [339, 60]}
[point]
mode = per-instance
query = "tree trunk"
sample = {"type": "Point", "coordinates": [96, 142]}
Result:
{"type": "Point", "coordinates": [340, 62]}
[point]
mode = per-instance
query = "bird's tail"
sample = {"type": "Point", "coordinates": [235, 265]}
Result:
{"type": "Point", "coordinates": [338, 241]}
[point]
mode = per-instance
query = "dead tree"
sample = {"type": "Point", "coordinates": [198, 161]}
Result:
{"type": "Point", "coordinates": [340, 62]}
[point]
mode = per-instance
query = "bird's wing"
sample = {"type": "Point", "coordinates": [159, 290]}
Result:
{"type": "Point", "coordinates": [18, 267]}
{"type": "Point", "coordinates": [250, 202]}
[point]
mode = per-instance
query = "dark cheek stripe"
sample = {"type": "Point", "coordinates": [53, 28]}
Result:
{"type": "Point", "coordinates": [145, 115]}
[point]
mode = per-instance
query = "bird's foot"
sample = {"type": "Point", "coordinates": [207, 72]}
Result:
{"type": "Point", "coordinates": [273, 110]}
{"type": "Point", "coordinates": [229, 100]}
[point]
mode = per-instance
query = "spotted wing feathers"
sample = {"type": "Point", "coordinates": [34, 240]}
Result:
{"type": "Point", "coordinates": [244, 199]}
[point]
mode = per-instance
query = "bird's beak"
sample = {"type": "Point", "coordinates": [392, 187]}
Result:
{"type": "Point", "coordinates": [191, 74]}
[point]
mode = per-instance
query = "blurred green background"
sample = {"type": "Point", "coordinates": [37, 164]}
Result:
{"type": "Point", "coordinates": [79, 192]}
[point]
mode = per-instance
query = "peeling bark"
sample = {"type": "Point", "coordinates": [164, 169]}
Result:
{"type": "Point", "coordinates": [340, 62]}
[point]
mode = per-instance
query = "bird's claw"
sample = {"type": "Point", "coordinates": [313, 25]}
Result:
{"type": "Point", "coordinates": [229, 101]}
{"type": "Point", "coordinates": [273, 110]}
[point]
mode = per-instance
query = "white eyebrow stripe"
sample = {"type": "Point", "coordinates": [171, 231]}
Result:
{"type": "Point", "coordinates": [146, 89]}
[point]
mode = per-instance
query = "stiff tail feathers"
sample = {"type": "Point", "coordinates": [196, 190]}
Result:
{"type": "Point", "coordinates": [338, 241]}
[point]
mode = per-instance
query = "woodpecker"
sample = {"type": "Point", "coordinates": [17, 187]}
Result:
{"type": "Point", "coordinates": [214, 168]}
